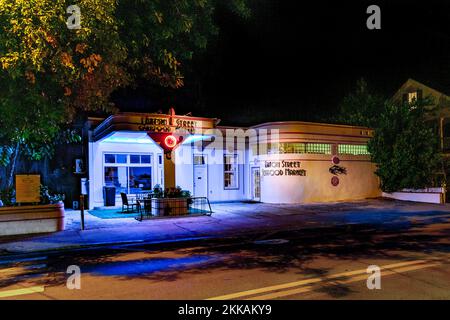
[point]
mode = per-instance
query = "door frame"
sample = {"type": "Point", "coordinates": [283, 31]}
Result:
{"type": "Point", "coordinates": [205, 157]}
{"type": "Point", "coordinates": [252, 194]}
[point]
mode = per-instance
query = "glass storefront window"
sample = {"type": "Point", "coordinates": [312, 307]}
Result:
{"type": "Point", "coordinates": [116, 177]}
{"type": "Point", "coordinates": [140, 179]}
{"type": "Point", "coordinates": [128, 173]}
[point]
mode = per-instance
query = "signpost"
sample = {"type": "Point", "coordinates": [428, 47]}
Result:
{"type": "Point", "coordinates": [28, 188]}
{"type": "Point", "coordinates": [84, 192]}
{"type": "Point", "coordinates": [82, 210]}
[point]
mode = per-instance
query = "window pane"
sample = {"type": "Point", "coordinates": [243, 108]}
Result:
{"type": "Point", "coordinates": [230, 168]}
{"type": "Point", "coordinates": [116, 177]}
{"type": "Point", "coordinates": [299, 148]}
{"type": "Point", "coordinates": [140, 179]}
{"type": "Point", "coordinates": [110, 158]}
{"type": "Point", "coordinates": [121, 158]}
{"type": "Point", "coordinates": [135, 158]}
{"type": "Point", "coordinates": [160, 159]}
{"type": "Point", "coordinates": [199, 160]}
{"type": "Point", "coordinates": [230, 181]}
{"type": "Point", "coordinates": [145, 159]}
{"type": "Point", "coordinates": [318, 148]}
{"type": "Point", "coordinates": [353, 149]}
{"type": "Point", "coordinates": [227, 181]}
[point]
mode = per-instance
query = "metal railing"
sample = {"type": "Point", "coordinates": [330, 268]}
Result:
{"type": "Point", "coordinates": [171, 207]}
{"type": "Point", "coordinates": [200, 205]}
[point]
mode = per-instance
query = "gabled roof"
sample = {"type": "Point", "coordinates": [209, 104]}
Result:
{"type": "Point", "coordinates": [412, 84]}
{"type": "Point", "coordinates": [441, 100]}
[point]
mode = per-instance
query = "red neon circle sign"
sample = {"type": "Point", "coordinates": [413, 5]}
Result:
{"type": "Point", "coordinates": [170, 141]}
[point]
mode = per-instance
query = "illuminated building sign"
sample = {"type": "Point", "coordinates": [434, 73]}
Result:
{"type": "Point", "coordinates": [167, 141]}
{"type": "Point", "coordinates": [283, 168]}
{"type": "Point", "coordinates": [154, 124]}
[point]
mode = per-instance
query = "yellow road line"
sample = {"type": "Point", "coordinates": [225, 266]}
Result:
{"type": "Point", "coordinates": [309, 281]}
{"type": "Point", "coordinates": [18, 292]}
{"type": "Point", "coordinates": [286, 293]}
{"type": "Point", "coordinates": [20, 270]}
{"type": "Point", "coordinates": [9, 270]}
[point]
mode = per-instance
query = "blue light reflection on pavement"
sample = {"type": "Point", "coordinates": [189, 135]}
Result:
{"type": "Point", "coordinates": [146, 266]}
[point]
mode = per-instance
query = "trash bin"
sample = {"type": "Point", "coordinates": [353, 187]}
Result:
{"type": "Point", "coordinates": [109, 194]}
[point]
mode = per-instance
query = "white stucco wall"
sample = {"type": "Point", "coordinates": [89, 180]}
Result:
{"type": "Point", "coordinates": [359, 183]}
{"type": "Point", "coordinates": [184, 167]}
{"type": "Point", "coordinates": [184, 174]}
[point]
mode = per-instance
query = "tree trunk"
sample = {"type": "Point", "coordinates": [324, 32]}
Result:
{"type": "Point", "coordinates": [12, 168]}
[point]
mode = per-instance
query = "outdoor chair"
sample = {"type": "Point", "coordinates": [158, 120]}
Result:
{"type": "Point", "coordinates": [126, 205]}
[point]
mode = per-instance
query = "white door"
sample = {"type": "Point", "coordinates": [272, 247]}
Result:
{"type": "Point", "coordinates": [200, 181]}
{"type": "Point", "coordinates": [256, 184]}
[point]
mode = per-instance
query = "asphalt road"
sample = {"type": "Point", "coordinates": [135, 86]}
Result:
{"type": "Point", "coordinates": [331, 263]}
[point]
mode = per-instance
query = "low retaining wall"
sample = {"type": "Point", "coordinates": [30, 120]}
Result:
{"type": "Point", "coordinates": [31, 219]}
{"type": "Point", "coordinates": [430, 195]}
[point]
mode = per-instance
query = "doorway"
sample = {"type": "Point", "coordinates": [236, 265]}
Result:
{"type": "Point", "coordinates": [256, 184]}
{"type": "Point", "coordinates": [200, 176]}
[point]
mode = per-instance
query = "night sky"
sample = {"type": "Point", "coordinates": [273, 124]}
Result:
{"type": "Point", "coordinates": [296, 61]}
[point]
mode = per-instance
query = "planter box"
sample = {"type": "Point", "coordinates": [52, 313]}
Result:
{"type": "Point", "coordinates": [169, 206]}
{"type": "Point", "coordinates": [31, 219]}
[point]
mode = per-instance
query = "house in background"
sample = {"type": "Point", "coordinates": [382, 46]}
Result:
{"type": "Point", "coordinates": [412, 90]}
{"type": "Point", "coordinates": [439, 116]}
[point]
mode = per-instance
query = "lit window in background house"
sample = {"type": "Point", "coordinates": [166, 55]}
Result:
{"type": "Point", "coordinates": [412, 96]}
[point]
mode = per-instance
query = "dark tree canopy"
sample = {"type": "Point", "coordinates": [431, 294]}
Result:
{"type": "Point", "coordinates": [405, 147]}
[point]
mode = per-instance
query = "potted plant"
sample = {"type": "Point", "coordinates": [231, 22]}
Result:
{"type": "Point", "coordinates": [50, 198]}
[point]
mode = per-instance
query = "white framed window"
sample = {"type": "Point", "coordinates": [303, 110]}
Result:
{"type": "Point", "coordinates": [128, 173]}
{"type": "Point", "coordinates": [230, 171]}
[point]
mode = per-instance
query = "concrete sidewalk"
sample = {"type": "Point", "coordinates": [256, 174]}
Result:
{"type": "Point", "coordinates": [228, 219]}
